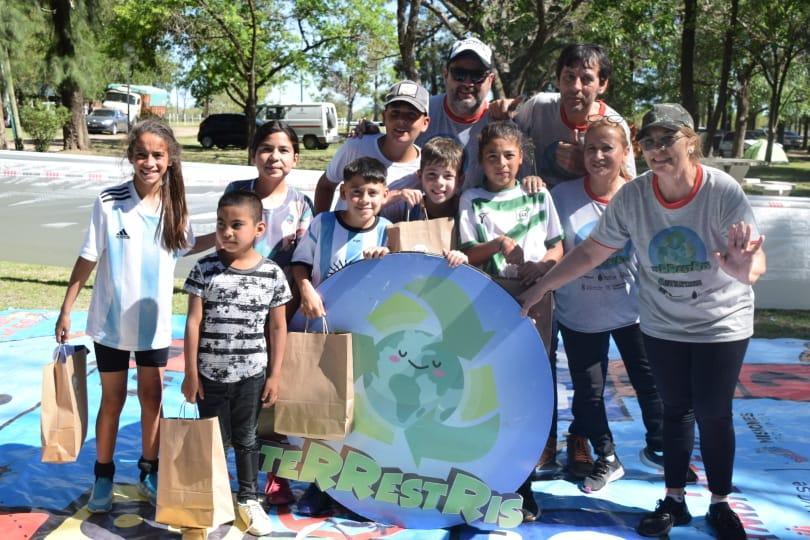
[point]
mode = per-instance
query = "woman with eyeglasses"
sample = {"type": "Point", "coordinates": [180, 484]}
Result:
{"type": "Point", "coordinates": [699, 253]}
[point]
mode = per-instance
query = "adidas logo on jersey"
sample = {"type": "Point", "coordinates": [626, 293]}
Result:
{"type": "Point", "coordinates": [122, 234]}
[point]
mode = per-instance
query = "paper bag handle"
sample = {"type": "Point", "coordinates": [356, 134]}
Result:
{"type": "Point", "coordinates": [60, 353]}
{"type": "Point", "coordinates": [323, 325]}
{"type": "Point", "coordinates": [424, 210]}
{"type": "Point", "coordinates": [195, 411]}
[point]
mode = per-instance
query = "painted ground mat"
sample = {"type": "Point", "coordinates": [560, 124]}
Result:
{"type": "Point", "coordinates": [771, 476]}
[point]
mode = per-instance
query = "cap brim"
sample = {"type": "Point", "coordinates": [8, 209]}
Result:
{"type": "Point", "coordinates": [471, 52]}
{"type": "Point", "coordinates": [672, 126]}
{"type": "Point", "coordinates": [409, 100]}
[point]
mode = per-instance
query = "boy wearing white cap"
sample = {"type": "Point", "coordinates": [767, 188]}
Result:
{"type": "Point", "coordinates": [405, 118]}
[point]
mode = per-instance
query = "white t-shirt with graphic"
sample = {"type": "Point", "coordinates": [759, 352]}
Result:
{"type": "Point", "coordinates": [684, 295]}
{"type": "Point", "coordinates": [330, 244]}
{"type": "Point", "coordinates": [131, 306]}
{"type": "Point", "coordinates": [606, 297]}
{"type": "Point", "coordinates": [530, 220]}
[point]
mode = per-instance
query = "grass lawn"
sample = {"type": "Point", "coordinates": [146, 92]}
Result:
{"type": "Point", "coordinates": [797, 172]}
{"type": "Point", "coordinates": [32, 286]}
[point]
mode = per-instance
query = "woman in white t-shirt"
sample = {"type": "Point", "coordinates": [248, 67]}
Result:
{"type": "Point", "coordinates": [601, 304]}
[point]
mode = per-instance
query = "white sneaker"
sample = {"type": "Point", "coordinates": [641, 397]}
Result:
{"type": "Point", "coordinates": [256, 519]}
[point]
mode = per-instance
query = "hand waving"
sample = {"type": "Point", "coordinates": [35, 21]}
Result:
{"type": "Point", "coordinates": [740, 259]}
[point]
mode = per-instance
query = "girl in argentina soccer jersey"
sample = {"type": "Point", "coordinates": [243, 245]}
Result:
{"type": "Point", "coordinates": [286, 211]}
{"type": "Point", "coordinates": [137, 231]}
{"type": "Point", "coordinates": [512, 235]}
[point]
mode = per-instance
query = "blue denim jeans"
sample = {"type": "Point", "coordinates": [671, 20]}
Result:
{"type": "Point", "coordinates": [240, 402]}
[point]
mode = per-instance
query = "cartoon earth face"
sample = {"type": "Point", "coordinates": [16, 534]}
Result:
{"type": "Point", "coordinates": [421, 378]}
{"type": "Point", "coordinates": [448, 377]}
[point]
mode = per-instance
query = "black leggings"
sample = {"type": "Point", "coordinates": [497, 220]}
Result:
{"type": "Point", "coordinates": [697, 381]}
{"type": "Point", "coordinates": [588, 363]}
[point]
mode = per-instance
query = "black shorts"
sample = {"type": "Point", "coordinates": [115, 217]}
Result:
{"type": "Point", "coordinates": [110, 360]}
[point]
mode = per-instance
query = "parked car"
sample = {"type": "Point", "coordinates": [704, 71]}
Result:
{"type": "Point", "coordinates": [751, 136]}
{"type": "Point", "coordinates": [106, 120]}
{"type": "Point", "coordinates": [224, 129]}
{"type": "Point", "coordinates": [792, 140]}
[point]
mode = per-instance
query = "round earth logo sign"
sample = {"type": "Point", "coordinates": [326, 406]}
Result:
{"type": "Point", "coordinates": [453, 396]}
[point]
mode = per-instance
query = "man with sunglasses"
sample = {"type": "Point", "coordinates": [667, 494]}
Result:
{"type": "Point", "coordinates": [463, 110]}
{"type": "Point", "coordinates": [460, 113]}
{"type": "Point", "coordinates": [557, 122]}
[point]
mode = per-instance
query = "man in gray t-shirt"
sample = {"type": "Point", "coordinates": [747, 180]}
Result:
{"type": "Point", "coordinates": [556, 122]}
{"type": "Point", "coordinates": [463, 110]}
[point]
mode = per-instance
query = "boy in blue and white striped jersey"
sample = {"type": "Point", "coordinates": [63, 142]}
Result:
{"type": "Point", "coordinates": [335, 239]}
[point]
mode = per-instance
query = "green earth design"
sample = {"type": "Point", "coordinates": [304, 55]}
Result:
{"type": "Point", "coordinates": [422, 383]}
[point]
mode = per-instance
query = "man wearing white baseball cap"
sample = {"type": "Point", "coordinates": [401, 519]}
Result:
{"type": "Point", "coordinates": [463, 110]}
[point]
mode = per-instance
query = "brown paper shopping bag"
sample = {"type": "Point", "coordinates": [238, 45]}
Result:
{"type": "Point", "coordinates": [316, 389]}
{"type": "Point", "coordinates": [63, 419]}
{"type": "Point", "coordinates": [193, 486]}
{"type": "Point", "coordinates": [425, 235]}
{"type": "Point", "coordinates": [542, 312]}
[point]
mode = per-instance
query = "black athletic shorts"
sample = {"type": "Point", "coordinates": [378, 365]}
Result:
{"type": "Point", "coordinates": [109, 359]}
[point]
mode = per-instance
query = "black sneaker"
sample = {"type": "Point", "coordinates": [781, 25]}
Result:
{"type": "Point", "coordinates": [314, 502]}
{"type": "Point", "coordinates": [725, 522]}
{"type": "Point", "coordinates": [655, 460]}
{"type": "Point", "coordinates": [668, 513]}
{"type": "Point", "coordinates": [603, 471]}
{"type": "Point", "coordinates": [530, 509]}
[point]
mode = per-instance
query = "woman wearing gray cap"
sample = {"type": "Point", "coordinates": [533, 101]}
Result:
{"type": "Point", "coordinates": [699, 253]}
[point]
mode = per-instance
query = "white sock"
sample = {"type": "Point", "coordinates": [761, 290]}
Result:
{"type": "Point", "coordinates": [718, 499]}
{"type": "Point", "coordinates": [677, 497]}
{"type": "Point", "coordinates": [611, 458]}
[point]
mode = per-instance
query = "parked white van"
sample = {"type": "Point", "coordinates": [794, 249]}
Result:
{"type": "Point", "coordinates": [315, 123]}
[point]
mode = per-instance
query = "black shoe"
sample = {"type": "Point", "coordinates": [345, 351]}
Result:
{"type": "Point", "coordinates": [668, 513]}
{"type": "Point", "coordinates": [314, 502]}
{"type": "Point", "coordinates": [531, 511]}
{"type": "Point", "coordinates": [725, 522]}
{"type": "Point", "coordinates": [655, 460]}
{"type": "Point", "coordinates": [603, 471]}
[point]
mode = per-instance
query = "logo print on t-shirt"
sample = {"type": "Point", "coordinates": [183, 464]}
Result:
{"type": "Point", "coordinates": [678, 250]}
{"type": "Point", "coordinates": [122, 234]}
{"type": "Point", "coordinates": [621, 256]}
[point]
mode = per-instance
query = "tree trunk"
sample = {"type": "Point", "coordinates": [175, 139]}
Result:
{"type": "Point", "coordinates": [3, 140]}
{"type": "Point", "coordinates": [75, 131]}
{"type": "Point", "coordinates": [688, 58]}
{"type": "Point", "coordinates": [722, 91]}
{"type": "Point", "coordinates": [743, 105]}
{"type": "Point", "coordinates": [407, 12]}
{"type": "Point", "coordinates": [5, 70]}
{"type": "Point", "coordinates": [350, 111]}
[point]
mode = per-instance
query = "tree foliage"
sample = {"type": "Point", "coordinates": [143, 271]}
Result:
{"type": "Point", "coordinates": [241, 47]}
